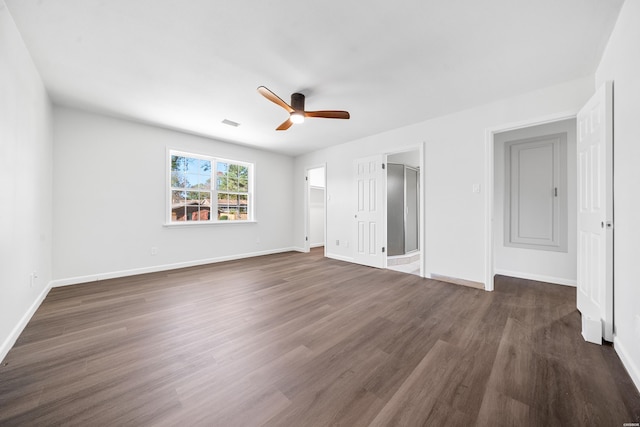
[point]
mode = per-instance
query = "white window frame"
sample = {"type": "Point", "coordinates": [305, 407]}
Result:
{"type": "Point", "coordinates": [213, 217]}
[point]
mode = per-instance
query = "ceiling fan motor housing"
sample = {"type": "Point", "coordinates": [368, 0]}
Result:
{"type": "Point", "coordinates": [297, 101]}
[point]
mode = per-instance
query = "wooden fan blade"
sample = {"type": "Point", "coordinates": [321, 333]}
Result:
{"type": "Point", "coordinates": [274, 98]}
{"type": "Point", "coordinates": [285, 125]}
{"type": "Point", "coordinates": [328, 114]}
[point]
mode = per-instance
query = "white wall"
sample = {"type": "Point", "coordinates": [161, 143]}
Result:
{"type": "Point", "coordinates": [110, 200]}
{"type": "Point", "coordinates": [455, 160]}
{"type": "Point", "coordinates": [621, 63]}
{"type": "Point", "coordinates": [25, 173]}
{"type": "Point", "coordinates": [546, 266]}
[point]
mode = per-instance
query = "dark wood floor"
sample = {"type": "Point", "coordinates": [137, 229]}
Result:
{"type": "Point", "coordinates": [298, 340]}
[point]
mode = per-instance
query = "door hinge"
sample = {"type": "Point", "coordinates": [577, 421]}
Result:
{"type": "Point", "coordinates": [383, 166]}
{"type": "Point", "coordinates": [383, 249]}
{"type": "Point", "coordinates": [555, 192]}
{"type": "Point", "coordinates": [306, 178]}
{"type": "Point", "coordinates": [306, 238]}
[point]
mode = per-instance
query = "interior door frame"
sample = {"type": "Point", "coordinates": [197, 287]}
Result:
{"type": "Point", "coordinates": [307, 189]}
{"type": "Point", "coordinates": [421, 216]}
{"type": "Point", "coordinates": [489, 182]}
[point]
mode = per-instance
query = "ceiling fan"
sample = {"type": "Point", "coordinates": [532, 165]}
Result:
{"type": "Point", "coordinates": [296, 109]}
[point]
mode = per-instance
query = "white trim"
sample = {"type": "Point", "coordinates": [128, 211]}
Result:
{"type": "Point", "coordinates": [153, 269]}
{"type": "Point", "coordinates": [632, 369]}
{"type": "Point", "coordinates": [339, 257]}
{"type": "Point", "coordinates": [537, 277]}
{"type": "Point", "coordinates": [316, 245]}
{"type": "Point", "coordinates": [488, 209]}
{"type": "Point", "coordinates": [488, 179]}
{"type": "Point", "coordinates": [8, 343]}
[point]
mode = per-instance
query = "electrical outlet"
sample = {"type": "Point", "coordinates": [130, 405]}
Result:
{"type": "Point", "coordinates": [154, 250]}
{"type": "Point", "coordinates": [337, 242]}
{"type": "Point", "coordinates": [346, 243]}
{"type": "Point", "coordinates": [257, 240]}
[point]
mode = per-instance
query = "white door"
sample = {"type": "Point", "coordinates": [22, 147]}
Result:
{"type": "Point", "coordinates": [595, 215]}
{"type": "Point", "coordinates": [370, 220]}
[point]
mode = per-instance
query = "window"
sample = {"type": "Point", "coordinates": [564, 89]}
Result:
{"type": "Point", "coordinates": [208, 189]}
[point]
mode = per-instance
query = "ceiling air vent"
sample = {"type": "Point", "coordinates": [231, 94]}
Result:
{"type": "Point", "coordinates": [231, 123]}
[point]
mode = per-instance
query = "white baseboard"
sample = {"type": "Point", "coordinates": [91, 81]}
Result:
{"type": "Point", "coordinates": [627, 361]}
{"type": "Point", "coordinates": [316, 245]}
{"type": "Point", "coordinates": [164, 267]}
{"type": "Point", "coordinates": [457, 281]}
{"type": "Point", "coordinates": [537, 277]}
{"type": "Point", "coordinates": [339, 257]}
{"type": "Point", "coordinates": [17, 330]}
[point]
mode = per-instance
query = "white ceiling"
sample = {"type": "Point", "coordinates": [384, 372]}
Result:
{"type": "Point", "coordinates": [188, 65]}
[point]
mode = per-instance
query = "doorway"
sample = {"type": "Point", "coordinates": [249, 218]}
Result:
{"type": "Point", "coordinates": [491, 168]}
{"type": "Point", "coordinates": [316, 207]}
{"type": "Point", "coordinates": [534, 203]}
{"type": "Point", "coordinates": [404, 252]}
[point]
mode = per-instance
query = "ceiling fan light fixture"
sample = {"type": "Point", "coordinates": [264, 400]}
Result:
{"type": "Point", "coordinates": [296, 110]}
{"type": "Point", "coordinates": [297, 117]}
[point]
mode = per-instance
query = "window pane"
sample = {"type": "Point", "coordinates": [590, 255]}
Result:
{"type": "Point", "coordinates": [205, 182]}
{"type": "Point", "coordinates": [223, 199]}
{"type": "Point", "coordinates": [178, 196]}
{"type": "Point", "coordinates": [232, 178]}
{"type": "Point", "coordinates": [178, 163]}
{"type": "Point", "coordinates": [203, 214]}
{"type": "Point", "coordinates": [178, 208]}
{"type": "Point", "coordinates": [223, 207]}
{"type": "Point", "coordinates": [192, 165]}
{"type": "Point", "coordinates": [221, 175]}
{"type": "Point", "coordinates": [191, 180]}
{"type": "Point", "coordinates": [243, 179]}
{"type": "Point", "coordinates": [177, 179]}
{"type": "Point", "coordinates": [227, 206]}
{"type": "Point", "coordinates": [243, 207]}
{"type": "Point", "coordinates": [179, 214]}
{"type": "Point", "coordinates": [222, 182]}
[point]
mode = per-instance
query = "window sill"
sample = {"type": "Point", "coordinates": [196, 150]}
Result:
{"type": "Point", "coordinates": [205, 223]}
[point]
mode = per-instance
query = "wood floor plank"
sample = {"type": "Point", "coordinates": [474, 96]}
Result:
{"type": "Point", "coordinates": [296, 339]}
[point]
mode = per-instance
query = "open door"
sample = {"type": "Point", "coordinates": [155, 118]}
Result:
{"type": "Point", "coordinates": [315, 223]}
{"type": "Point", "coordinates": [595, 216]}
{"type": "Point", "coordinates": [370, 219]}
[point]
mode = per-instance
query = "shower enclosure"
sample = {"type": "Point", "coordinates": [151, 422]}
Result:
{"type": "Point", "coordinates": [402, 209]}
